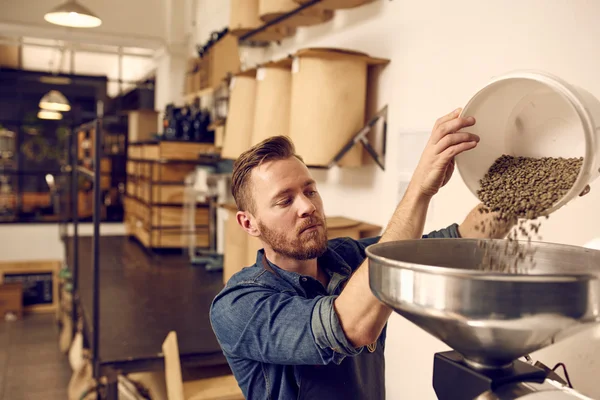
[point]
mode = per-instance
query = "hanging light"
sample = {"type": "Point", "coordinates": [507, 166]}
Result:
{"type": "Point", "coordinates": [45, 114]}
{"type": "Point", "coordinates": [55, 101]}
{"type": "Point", "coordinates": [73, 15]}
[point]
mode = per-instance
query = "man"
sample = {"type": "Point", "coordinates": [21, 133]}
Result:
{"type": "Point", "coordinates": [302, 322]}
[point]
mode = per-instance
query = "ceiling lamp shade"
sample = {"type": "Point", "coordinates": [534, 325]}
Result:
{"type": "Point", "coordinates": [74, 15]}
{"type": "Point", "coordinates": [45, 114]}
{"type": "Point", "coordinates": [55, 101]}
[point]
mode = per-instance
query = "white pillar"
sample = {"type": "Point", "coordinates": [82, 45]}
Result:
{"type": "Point", "coordinates": [171, 59]}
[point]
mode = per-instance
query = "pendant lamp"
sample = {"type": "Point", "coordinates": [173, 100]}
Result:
{"type": "Point", "coordinates": [45, 114]}
{"type": "Point", "coordinates": [74, 15]}
{"type": "Point", "coordinates": [55, 101]}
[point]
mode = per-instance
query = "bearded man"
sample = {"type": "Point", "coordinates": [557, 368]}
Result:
{"type": "Point", "coordinates": [302, 322]}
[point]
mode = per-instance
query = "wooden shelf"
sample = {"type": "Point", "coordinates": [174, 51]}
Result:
{"type": "Point", "coordinates": [154, 203]}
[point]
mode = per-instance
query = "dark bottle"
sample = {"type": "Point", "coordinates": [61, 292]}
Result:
{"type": "Point", "coordinates": [186, 124]}
{"type": "Point", "coordinates": [169, 123]}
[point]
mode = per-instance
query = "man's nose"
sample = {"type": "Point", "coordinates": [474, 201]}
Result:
{"type": "Point", "coordinates": [306, 206]}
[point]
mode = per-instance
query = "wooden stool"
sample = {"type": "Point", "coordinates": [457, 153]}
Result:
{"type": "Point", "coordinates": [219, 388]}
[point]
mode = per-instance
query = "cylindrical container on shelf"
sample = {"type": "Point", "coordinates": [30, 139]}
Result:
{"type": "Point", "coordinates": [240, 117]}
{"type": "Point", "coordinates": [269, 10]}
{"type": "Point", "coordinates": [532, 114]}
{"type": "Point", "coordinates": [273, 95]}
{"type": "Point", "coordinates": [244, 18]}
{"type": "Point", "coordinates": [338, 4]}
{"type": "Point", "coordinates": [328, 104]}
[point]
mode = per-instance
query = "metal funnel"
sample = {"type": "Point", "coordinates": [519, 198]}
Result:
{"type": "Point", "coordinates": [491, 318]}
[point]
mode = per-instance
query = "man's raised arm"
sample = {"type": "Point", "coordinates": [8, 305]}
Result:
{"type": "Point", "coordinates": [362, 316]}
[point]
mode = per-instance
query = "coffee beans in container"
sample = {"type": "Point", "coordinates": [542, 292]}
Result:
{"type": "Point", "coordinates": [525, 187]}
{"type": "Point", "coordinates": [522, 189]}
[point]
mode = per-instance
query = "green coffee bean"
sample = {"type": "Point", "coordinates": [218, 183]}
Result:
{"type": "Point", "coordinates": [522, 188]}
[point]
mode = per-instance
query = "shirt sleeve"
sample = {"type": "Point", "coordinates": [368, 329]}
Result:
{"type": "Point", "coordinates": [450, 232]}
{"type": "Point", "coordinates": [266, 325]}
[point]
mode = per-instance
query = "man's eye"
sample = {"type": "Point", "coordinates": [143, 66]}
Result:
{"type": "Point", "coordinates": [284, 202]}
{"type": "Point", "coordinates": [311, 193]}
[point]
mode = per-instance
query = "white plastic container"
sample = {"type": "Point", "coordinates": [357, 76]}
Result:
{"type": "Point", "coordinates": [532, 114]}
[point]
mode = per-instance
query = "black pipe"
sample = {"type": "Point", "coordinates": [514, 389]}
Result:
{"type": "Point", "coordinates": [96, 240]}
{"type": "Point", "coordinates": [75, 213]}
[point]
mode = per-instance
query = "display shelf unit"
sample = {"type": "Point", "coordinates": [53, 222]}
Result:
{"type": "Point", "coordinates": [112, 168]}
{"type": "Point", "coordinates": [154, 203]}
{"type": "Point", "coordinates": [121, 269]}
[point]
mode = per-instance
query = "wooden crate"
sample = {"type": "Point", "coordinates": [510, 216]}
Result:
{"type": "Point", "coordinates": [176, 150]}
{"type": "Point", "coordinates": [173, 173]}
{"type": "Point", "coordinates": [142, 124]}
{"type": "Point", "coordinates": [134, 151]}
{"type": "Point", "coordinates": [169, 150]}
{"type": "Point", "coordinates": [165, 223]}
{"type": "Point", "coordinates": [172, 216]}
{"type": "Point", "coordinates": [34, 275]}
{"type": "Point", "coordinates": [164, 216]}
{"type": "Point", "coordinates": [11, 299]}
{"type": "Point", "coordinates": [154, 205]}
{"type": "Point", "coordinates": [165, 238]}
{"type": "Point", "coordinates": [156, 193]}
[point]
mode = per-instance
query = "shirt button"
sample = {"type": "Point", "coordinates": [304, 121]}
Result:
{"type": "Point", "coordinates": [304, 279]}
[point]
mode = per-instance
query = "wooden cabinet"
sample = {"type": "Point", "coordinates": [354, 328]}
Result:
{"type": "Point", "coordinates": [154, 207]}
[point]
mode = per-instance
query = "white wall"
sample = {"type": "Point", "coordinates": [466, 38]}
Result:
{"type": "Point", "coordinates": [441, 53]}
{"type": "Point", "coordinates": [26, 242]}
{"type": "Point", "coordinates": [171, 60]}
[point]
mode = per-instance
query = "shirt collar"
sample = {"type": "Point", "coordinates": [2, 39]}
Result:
{"type": "Point", "coordinates": [330, 261]}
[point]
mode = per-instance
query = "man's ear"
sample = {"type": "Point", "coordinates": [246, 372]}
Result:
{"type": "Point", "coordinates": [248, 223]}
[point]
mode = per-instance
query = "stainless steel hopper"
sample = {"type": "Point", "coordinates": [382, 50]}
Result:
{"type": "Point", "coordinates": [490, 318]}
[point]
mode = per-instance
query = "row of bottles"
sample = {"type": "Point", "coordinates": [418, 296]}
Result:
{"type": "Point", "coordinates": [188, 123]}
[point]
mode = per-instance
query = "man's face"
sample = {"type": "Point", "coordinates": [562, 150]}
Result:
{"type": "Point", "coordinates": [288, 209]}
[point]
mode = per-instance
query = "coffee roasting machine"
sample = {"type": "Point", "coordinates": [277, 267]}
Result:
{"type": "Point", "coordinates": [490, 319]}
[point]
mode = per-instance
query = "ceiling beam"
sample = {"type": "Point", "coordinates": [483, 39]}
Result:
{"type": "Point", "coordinates": [79, 36]}
{"type": "Point", "coordinates": [74, 47]}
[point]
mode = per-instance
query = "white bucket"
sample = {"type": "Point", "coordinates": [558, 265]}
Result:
{"type": "Point", "coordinates": [532, 114]}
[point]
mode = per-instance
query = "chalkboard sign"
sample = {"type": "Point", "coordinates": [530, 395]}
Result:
{"type": "Point", "coordinates": [37, 287]}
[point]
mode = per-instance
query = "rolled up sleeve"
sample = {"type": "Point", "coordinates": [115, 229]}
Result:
{"type": "Point", "coordinates": [450, 232]}
{"type": "Point", "coordinates": [328, 331]}
{"type": "Point", "coordinates": [266, 325]}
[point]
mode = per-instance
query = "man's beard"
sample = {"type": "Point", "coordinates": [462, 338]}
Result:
{"type": "Point", "coordinates": [304, 246]}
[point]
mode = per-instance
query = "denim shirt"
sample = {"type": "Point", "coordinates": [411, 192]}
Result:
{"type": "Point", "coordinates": [271, 322]}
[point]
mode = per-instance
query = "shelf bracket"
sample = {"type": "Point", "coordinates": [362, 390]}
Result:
{"type": "Point", "coordinates": [361, 136]}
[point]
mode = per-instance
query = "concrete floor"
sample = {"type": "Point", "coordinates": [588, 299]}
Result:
{"type": "Point", "coordinates": [31, 365]}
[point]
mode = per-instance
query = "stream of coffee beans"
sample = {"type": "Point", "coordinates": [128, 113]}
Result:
{"type": "Point", "coordinates": [521, 189]}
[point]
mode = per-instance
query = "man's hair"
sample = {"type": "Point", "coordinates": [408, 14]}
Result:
{"type": "Point", "coordinates": [271, 149]}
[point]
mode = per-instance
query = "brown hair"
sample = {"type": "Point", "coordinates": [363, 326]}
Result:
{"type": "Point", "coordinates": [270, 149]}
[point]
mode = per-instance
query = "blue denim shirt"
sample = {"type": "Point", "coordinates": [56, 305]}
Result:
{"type": "Point", "coordinates": [270, 324]}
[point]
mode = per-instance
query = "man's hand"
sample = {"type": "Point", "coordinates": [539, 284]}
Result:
{"type": "Point", "coordinates": [437, 161]}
